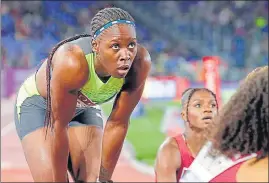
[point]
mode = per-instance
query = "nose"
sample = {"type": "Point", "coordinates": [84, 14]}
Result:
{"type": "Point", "coordinates": [125, 55]}
{"type": "Point", "coordinates": [208, 109]}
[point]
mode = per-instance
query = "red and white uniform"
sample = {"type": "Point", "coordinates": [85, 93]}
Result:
{"type": "Point", "coordinates": [214, 168]}
{"type": "Point", "coordinates": [186, 157]}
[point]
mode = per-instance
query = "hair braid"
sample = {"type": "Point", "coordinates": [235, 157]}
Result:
{"type": "Point", "coordinates": [101, 18]}
{"type": "Point", "coordinates": [190, 92]}
{"type": "Point", "coordinates": [48, 122]}
{"type": "Point", "coordinates": [108, 15]}
{"type": "Point", "coordinates": [243, 121]}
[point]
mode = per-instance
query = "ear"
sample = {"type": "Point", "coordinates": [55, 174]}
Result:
{"type": "Point", "coordinates": [183, 115]}
{"type": "Point", "coordinates": [94, 46]}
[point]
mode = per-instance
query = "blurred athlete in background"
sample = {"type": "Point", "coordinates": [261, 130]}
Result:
{"type": "Point", "coordinates": [199, 107]}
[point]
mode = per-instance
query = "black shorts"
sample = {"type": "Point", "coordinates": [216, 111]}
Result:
{"type": "Point", "coordinates": [30, 115]}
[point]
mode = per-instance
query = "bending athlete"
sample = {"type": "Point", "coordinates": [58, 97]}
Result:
{"type": "Point", "coordinates": [81, 73]}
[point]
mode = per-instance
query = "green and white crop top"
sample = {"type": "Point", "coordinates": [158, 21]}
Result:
{"type": "Point", "coordinates": [94, 92]}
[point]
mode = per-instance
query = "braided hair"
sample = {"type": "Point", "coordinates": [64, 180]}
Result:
{"type": "Point", "coordinates": [108, 15]}
{"type": "Point", "coordinates": [101, 18]}
{"type": "Point", "coordinates": [188, 93]}
{"type": "Point", "coordinates": [243, 121]}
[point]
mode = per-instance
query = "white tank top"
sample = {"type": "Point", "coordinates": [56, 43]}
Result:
{"type": "Point", "coordinates": [207, 166]}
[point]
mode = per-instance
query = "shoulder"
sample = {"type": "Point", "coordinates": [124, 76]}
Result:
{"type": "Point", "coordinates": [140, 69]}
{"type": "Point", "coordinates": [169, 145]}
{"type": "Point", "coordinates": [73, 51]}
{"type": "Point", "coordinates": [168, 154]}
{"type": "Point", "coordinates": [142, 61]}
{"type": "Point", "coordinates": [251, 171]}
{"type": "Point", "coordinates": [69, 62]}
{"type": "Point", "coordinates": [142, 57]}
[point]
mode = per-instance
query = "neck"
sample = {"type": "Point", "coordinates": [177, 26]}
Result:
{"type": "Point", "coordinates": [99, 68]}
{"type": "Point", "coordinates": [195, 140]}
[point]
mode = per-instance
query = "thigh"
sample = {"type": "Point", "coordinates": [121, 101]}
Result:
{"type": "Point", "coordinates": [38, 154]}
{"type": "Point", "coordinates": [29, 121]}
{"type": "Point", "coordinates": [29, 115]}
{"type": "Point", "coordinates": [85, 143]}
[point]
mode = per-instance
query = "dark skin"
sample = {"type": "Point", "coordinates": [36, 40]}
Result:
{"type": "Point", "coordinates": [87, 145]}
{"type": "Point", "coordinates": [168, 161]}
{"type": "Point", "coordinates": [118, 121]}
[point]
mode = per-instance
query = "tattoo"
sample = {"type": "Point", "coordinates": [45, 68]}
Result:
{"type": "Point", "coordinates": [104, 174]}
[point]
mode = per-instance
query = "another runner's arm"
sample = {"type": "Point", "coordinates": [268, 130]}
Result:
{"type": "Point", "coordinates": [70, 73]}
{"type": "Point", "coordinates": [168, 161]}
{"type": "Point", "coordinates": [118, 121]}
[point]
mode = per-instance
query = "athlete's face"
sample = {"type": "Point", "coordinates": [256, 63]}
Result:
{"type": "Point", "coordinates": [116, 49]}
{"type": "Point", "coordinates": [201, 109]}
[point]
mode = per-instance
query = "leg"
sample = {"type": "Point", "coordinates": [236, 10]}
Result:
{"type": "Point", "coordinates": [85, 140]}
{"type": "Point", "coordinates": [30, 128]}
{"type": "Point", "coordinates": [38, 155]}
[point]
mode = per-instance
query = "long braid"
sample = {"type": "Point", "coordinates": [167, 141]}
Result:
{"type": "Point", "coordinates": [101, 18]}
{"type": "Point", "coordinates": [48, 121]}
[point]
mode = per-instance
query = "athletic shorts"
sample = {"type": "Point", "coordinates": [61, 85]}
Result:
{"type": "Point", "coordinates": [30, 111]}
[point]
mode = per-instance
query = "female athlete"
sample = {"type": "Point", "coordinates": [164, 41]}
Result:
{"type": "Point", "coordinates": [199, 108]}
{"type": "Point", "coordinates": [65, 92]}
{"type": "Point", "coordinates": [242, 128]}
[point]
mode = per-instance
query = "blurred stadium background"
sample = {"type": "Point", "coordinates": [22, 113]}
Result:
{"type": "Point", "coordinates": [178, 34]}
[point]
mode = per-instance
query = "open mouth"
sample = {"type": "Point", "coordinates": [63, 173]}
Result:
{"type": "Point", "coordinates": [124, 67]}
{"type": "Point", "coordinates": [207, 118]}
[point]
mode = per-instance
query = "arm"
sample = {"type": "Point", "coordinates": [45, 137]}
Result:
{"type": "Point", "coordinates": [70, 72]}
{"type": "Point", "coordinates": [118, 121]}
{"type": "Point", "coordinates": [167, 162]}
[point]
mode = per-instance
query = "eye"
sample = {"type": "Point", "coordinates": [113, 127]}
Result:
{"type": "Point", "coordinates": [197, 105]}
{"type": "Point", "coordinates": [132, 45]}
{"type": "Point", "coordinates": [213, 105]}
{"type": "Point", "coordinates": [115, 46]}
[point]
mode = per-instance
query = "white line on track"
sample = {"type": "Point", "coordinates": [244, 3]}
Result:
{"type": "Point", "coordinates": [7, 129]}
